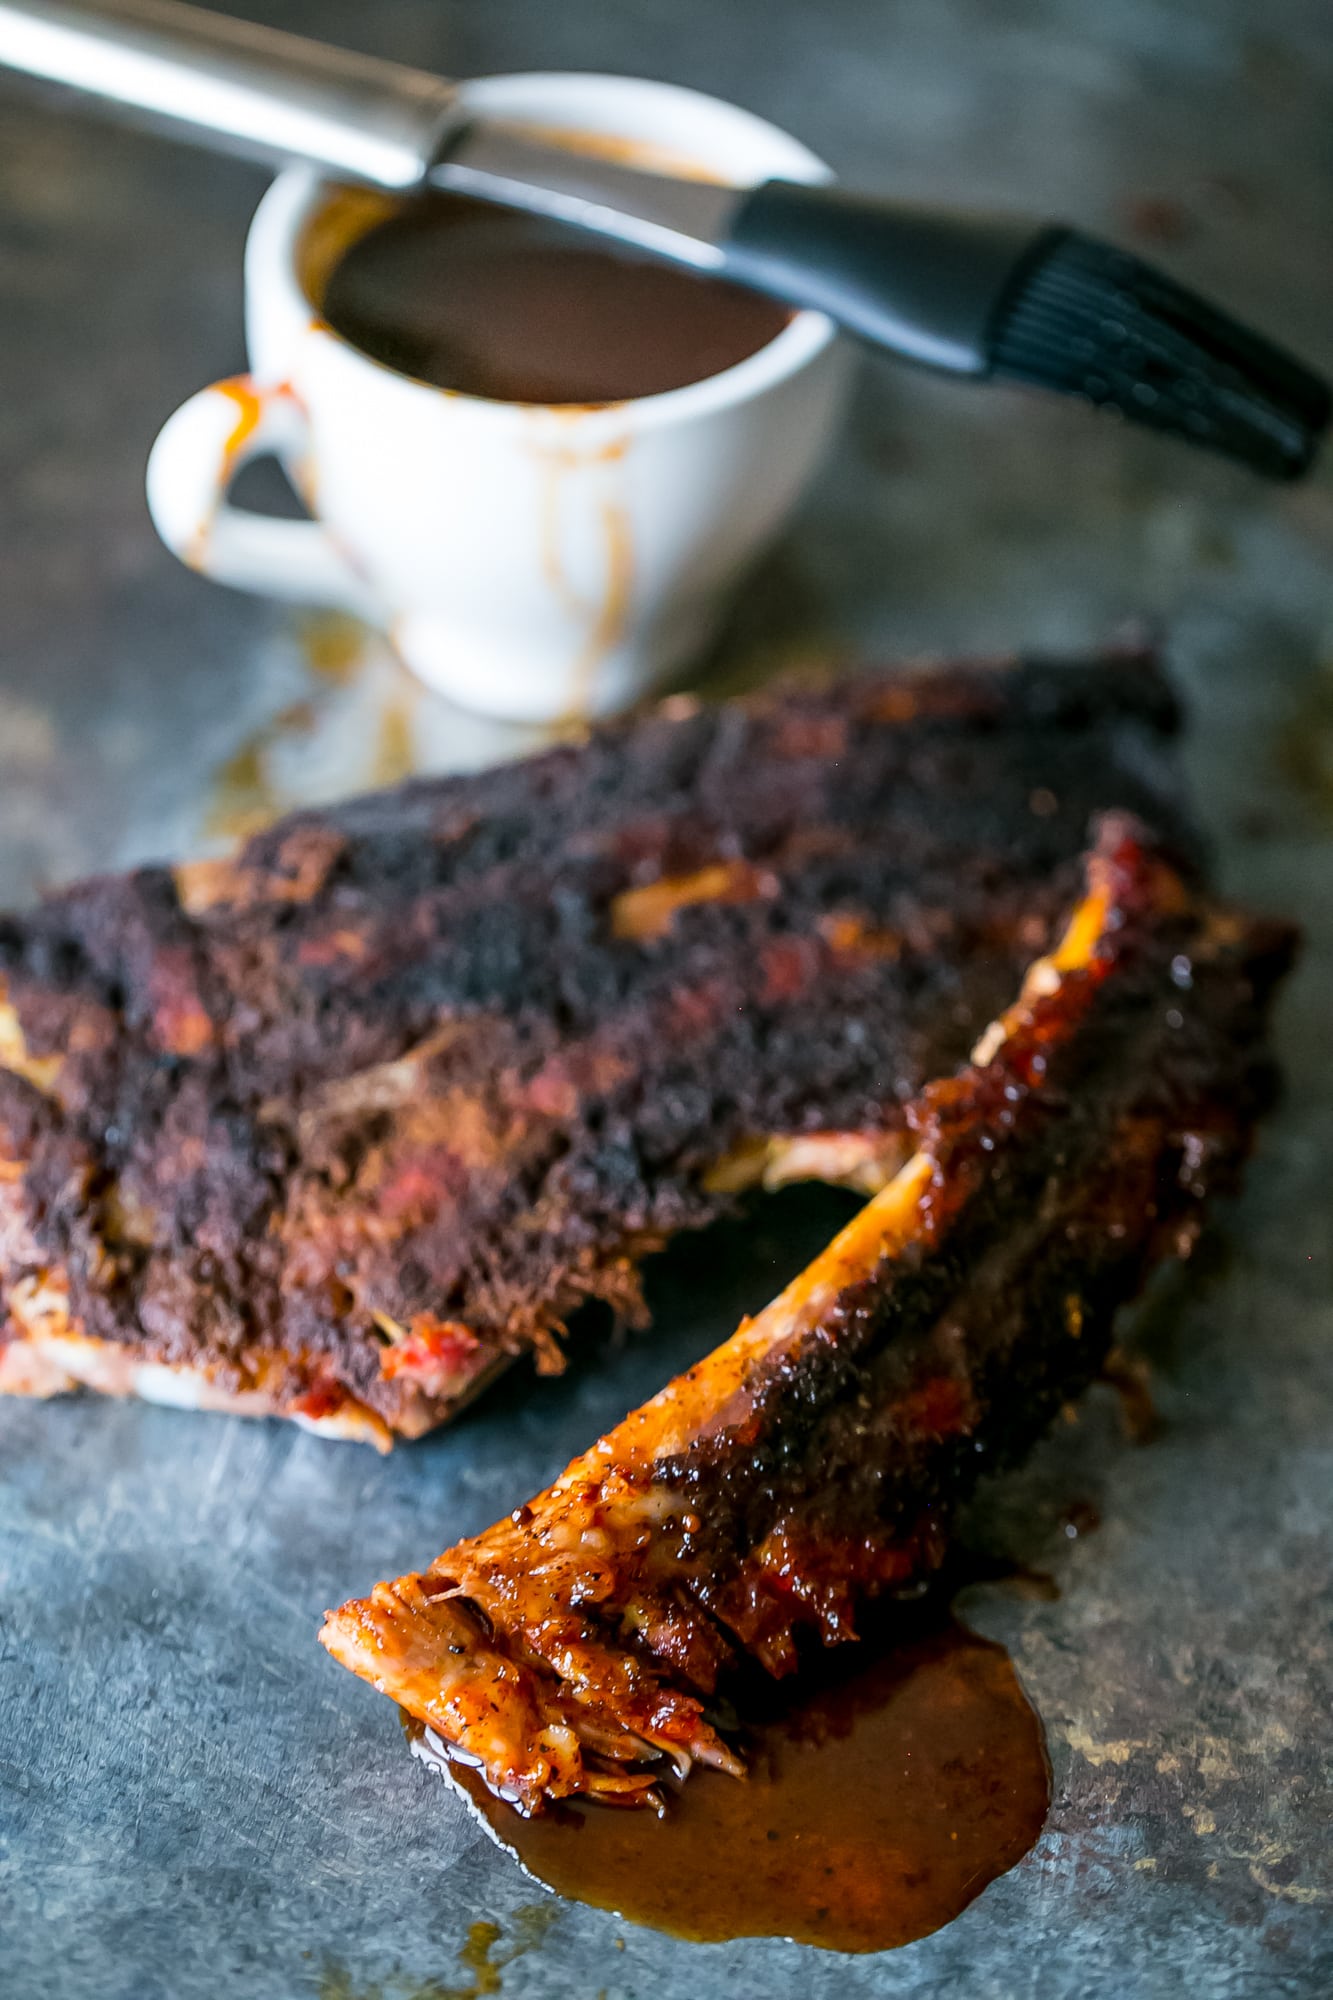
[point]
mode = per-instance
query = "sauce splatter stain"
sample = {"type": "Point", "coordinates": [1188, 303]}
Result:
{"type": "Point", "coordinates": [482, 1939]}
{"type": "Point", "coordinates": [609, 625]}
{"type": "Point", "coordinates": [1130, 1375]}
{"type": "Point", "coordinates": [641, 154]}
{"type": "Point", "coordinates": [395, 749]}
{"type": "Point", "coordinates": [879, 1803]}
{"type": "Point", "coordinates": [244, 797]}
{"type": "Point", "coordinates": [333, 646]}
{"type": "Point", "coordinates": [529, 1923]}
{"type": "Point", "coordinates": [1305, 744]}
{"type": "Point", "coordinates": [241, 391]}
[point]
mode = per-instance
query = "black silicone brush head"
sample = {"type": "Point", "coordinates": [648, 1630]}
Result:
{"type": "Point", "coordinates": [1087, 319]}
{"type": "Point", "coordinates": [999, 297]}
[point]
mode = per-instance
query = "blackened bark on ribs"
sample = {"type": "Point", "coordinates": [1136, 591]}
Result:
{"type": "Point", "coordinates": [351, 1118]}
{"type": "Point", "coordinates": [814, 1461]}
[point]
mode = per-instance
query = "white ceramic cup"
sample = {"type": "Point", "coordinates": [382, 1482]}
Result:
{"type": "Point", "coordinates": [529, 561]}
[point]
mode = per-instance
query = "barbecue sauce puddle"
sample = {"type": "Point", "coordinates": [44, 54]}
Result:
{"type": "Point", "coordinates": [884, 1793]}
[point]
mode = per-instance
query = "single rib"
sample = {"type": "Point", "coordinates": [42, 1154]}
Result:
{"type": "Point", "coordinates": [813, 1461]}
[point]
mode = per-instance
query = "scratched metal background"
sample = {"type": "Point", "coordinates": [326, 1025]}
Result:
{"type": "Point", "coordinates": [193, 1800]}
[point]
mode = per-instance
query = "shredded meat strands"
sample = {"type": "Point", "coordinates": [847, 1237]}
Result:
{"type": "Point", "coordinates": [812, 1461]}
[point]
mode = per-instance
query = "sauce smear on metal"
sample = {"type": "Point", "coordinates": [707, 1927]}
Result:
{"type": "Point", "coordinates": [880, 1802]}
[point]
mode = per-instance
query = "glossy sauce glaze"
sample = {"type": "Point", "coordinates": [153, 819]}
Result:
{"type": "Point", "coordinates": [881, 1800]}
{"type": "Point", "coordinates": [521, 310]}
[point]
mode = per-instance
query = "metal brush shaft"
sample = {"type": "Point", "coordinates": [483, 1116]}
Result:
{"type": "Point", "coordinates": [277, 94]}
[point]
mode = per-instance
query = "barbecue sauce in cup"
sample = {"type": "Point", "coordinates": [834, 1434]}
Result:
{"type": "Point", "coordinates": [518, 309]}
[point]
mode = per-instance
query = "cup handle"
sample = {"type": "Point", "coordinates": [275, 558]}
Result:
{"type": "Point", "coordinates": [198, 453]}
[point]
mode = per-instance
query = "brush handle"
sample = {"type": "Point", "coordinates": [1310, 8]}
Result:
{"type": "Point", "coordinates": [921, 282]}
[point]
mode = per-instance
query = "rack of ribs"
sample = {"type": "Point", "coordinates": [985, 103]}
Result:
{"type": "Point", "coordinates": [812, 1462]}
{"type": "Point", "coordinates": [337, 1128]}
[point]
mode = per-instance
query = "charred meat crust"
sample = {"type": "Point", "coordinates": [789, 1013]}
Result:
{"type": "Point", "coordinates": [386, 1098]}
{"type": "Point", "coordinates": [813, 1462]}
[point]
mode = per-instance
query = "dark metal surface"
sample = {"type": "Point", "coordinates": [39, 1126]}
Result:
{"type": "Point", "coordinates": [193, 1800]}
